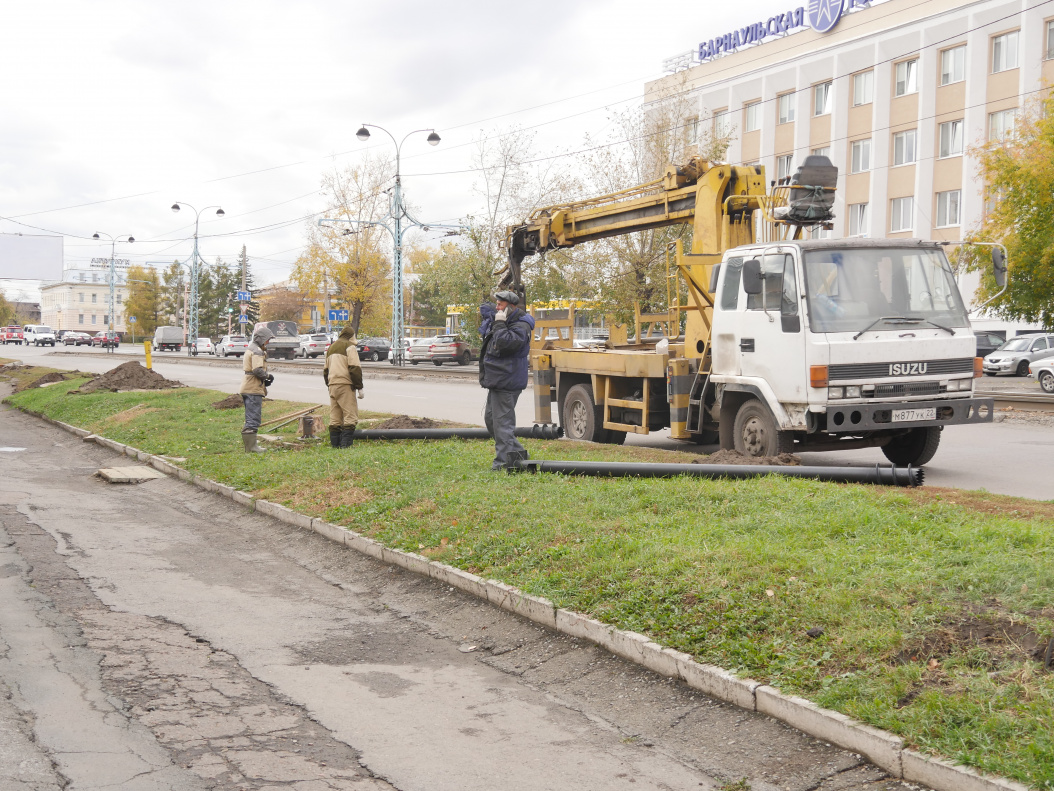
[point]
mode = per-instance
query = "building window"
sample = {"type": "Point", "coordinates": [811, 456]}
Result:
{"type": "Point", "coordinates": [823, 96]}
{"type": "Point", "coordinates": [904, 147]}
{"type": "Point", "coordinates": [81, 295]}
{"type": "Point", "coordinates": [902, 212]}
{"type": "Point", "coordinates": [784, 166]}
{"type": "Point", "coordinates": [992, 200]}
{"type": "Point", "coordinates": [817, 232]}
{"type": "Point", "coordinates": [861, 161]}
{"type": "Point", "coordinates": [953, 65]}
{"type": "Point", "coordinates": [1004, 52]}
{"type": "Point", "coordinates": [907, 77]}
{"type": "Point", "coordinates": [752, 123]}
{"type": "Point", "coordinates": [1050, 40]}
{"type": "Point", "coordinates": [823, 151]}
{"type": "Point", "coordinates": [722, 124]}
{"type": "Point", "coordinates": [93, 298]}
{"type": "Point", "coordinates": [692, 130]}
{"type": "Point", "coordinates": [858, 219]}
{"type": "Point", "coordinates": [951, 139]}
{"type": "Point", "coordinates": [1001, 124]}
{"type": "Point", "coordinates": [947, 208]}
{"type": "Point", "coordinates": [785, 104]}
{"type": "Point", "coordinates": [80, 318]}
{"type": "Point", "coordinates": [93, 318]}
{"type": "Point", "coordinates": [863, 88]}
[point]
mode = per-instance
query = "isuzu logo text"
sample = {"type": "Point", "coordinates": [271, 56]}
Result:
{"type": "Point", "coordinates": [907, 369]}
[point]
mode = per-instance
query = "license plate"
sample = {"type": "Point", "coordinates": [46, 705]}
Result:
{"type": "Point", "coordinates": [908, 415]}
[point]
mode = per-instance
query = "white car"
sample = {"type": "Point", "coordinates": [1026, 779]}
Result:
{"type": "Point", "coordinates": [313, 345]}
{"type": "Point", "coordinates": [231, 344]}
{"type": "Point", "coordinates": [203, 346]}
{"type": "Point", "coordinates": [1043, 372]}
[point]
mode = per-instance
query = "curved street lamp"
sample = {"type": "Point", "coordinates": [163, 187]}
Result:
{"type": "Point", "coordinates": [113, 275]}
{"type": "Point", "coordinates": [397, 211]}
{"type": "Point", "coordinates": [192, 309]}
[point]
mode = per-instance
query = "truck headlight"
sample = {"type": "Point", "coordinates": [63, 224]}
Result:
{"type": "Point", "coordinates": [836, 392]}
{"type": "Point", "coordinates": [852, 391]}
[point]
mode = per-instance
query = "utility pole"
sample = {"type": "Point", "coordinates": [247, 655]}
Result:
{"type": "Point", "coordinates": [195, 264]}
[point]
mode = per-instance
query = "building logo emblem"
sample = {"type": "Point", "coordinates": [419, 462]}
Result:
{"type": "Point", "coordinates": [824, 14]}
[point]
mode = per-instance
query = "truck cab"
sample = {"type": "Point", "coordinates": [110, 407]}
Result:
{"type": "Point", "coordinates": [838, 344]}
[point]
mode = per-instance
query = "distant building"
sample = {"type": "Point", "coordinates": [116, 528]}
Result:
{"type": "Point", "coordinates": [81, 301]}
{"type": "Point", "coordinates": [30, 311]}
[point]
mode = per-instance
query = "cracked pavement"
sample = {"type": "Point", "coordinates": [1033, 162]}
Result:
{"type": "Point", "coordinates": [157, 636]}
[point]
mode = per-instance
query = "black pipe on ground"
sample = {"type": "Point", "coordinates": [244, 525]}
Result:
{"type": "Point", "coordinates": [539, 431]}
{"type": "Point", "coordinates": [886, 476]}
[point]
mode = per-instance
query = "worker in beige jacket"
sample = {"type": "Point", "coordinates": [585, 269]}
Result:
{"type": "Point", "coordinates": [254, 385]}
{"type": "Point", "coordinates": [343, 375]}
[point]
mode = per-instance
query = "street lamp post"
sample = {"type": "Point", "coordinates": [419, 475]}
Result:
{"type": "Point", "coordinates": [397, 211]}
{"type": "Point", "coordinates": [113, 280]}
{"type": "Point", "coordinates": [192, 328]}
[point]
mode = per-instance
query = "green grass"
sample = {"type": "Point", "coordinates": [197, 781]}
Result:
{"type": "Point", "coordinates": [905, 584]}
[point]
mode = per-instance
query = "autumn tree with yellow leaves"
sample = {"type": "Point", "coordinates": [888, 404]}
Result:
{"type": "Point", "coordinates": [349, 261]}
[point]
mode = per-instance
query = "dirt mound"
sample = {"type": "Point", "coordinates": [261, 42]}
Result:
{"type": "Point", "coordinates": [405, 421]}
{"type": "Point", "coordinates": [735, 457]}
{"type": "Point", "coordinates": [54, 376]}
{"type": "Point", "coordinates": [130, 376]}
{"type": "Point", "coordinates": [233, 401]}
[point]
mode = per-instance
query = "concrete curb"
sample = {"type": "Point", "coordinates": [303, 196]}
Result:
{"type": "Point", "coordinates": [885, 750]}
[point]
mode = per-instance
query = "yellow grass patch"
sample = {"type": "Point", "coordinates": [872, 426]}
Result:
{"type": "Point", "coordinates": [320, 497]}
{"type": "Point", "coordinates": [130, 414]}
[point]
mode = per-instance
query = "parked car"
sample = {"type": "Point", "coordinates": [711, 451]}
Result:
{"type": "Point", "coordinates": [203, 346]}
{"type": "Point", "coordinates": [107, 340]}
{"type": "Point", "coordinates": [74, 338]}
{"type": "Point", "coordinates": [1043, 372]}
{"type": "Point", "coordinates": [374, 349]}
{"type": "Point", "coordinates": [1014, 356]}
{"type": "Point", "coordinates": [11, 334]}
{"type": "Point", "coordinates": [313, 345]}
{"type": "Point", "coordinates": [417, 350]}
{"type": "Point", "coordinates": [231, 344]}
{"type": "Point", "coordinates": [988, 342]}
{"type": "Point", "coordinates": [38, 335]}
{"type": "Point", "coordinates": [451, 348]}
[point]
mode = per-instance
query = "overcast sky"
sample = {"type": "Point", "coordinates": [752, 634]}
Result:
{"type": "Point", "coordinates": [110, 111]}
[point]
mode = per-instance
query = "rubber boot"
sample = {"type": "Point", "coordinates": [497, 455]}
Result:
{"type": "Point", "coordinates": [249, 442]}
{"type": "Point", "coordinates": [347, 436]}
{"type": "Point", "coordinates": [334, 436]}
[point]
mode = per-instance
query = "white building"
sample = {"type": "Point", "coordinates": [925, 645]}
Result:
{"type": "Point", "coordinates": [895, 93]}
{"type": "Point", "coordinates": [81, 301]}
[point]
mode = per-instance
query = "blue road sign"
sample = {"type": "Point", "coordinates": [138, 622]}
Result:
{"type": "Point", "coordinates": [338, 315]}
{"type": "Point", "coordinates": [131, 319]}
{"type": "Point", "coordinates": [243, 319]}
{"type": "Point", "coordinates": [244, 296]}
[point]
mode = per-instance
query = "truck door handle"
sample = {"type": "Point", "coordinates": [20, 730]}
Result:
{"type": "Point", "coordinates": [746, 344]}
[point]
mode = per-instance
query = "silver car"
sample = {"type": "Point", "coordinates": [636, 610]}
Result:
{"type": "Point", "coordinates": [231, 344]}
{"type": "Point", "coordinates": [1014, 356]}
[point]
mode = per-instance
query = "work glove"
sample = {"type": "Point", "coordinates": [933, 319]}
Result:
{"type": "Point", "coordinates": [361, 393]}
{"type": "Point", "coordinates": [501, 315]}
{"type": "Point", "coordinates": [268, 380]}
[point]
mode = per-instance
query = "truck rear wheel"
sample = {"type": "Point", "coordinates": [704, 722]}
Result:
{"type": "Point", "coordinates": [583, 419]}
{"type": "Point", "coordinates": [916, 447]}
{"type": "Point", "coordinates": [755, 432]}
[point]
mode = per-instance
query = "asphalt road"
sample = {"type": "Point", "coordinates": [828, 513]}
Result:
{"type": "Point", "coordinates": [159, 637]}
{"type": "Point", "coordinates": [1009, 457]}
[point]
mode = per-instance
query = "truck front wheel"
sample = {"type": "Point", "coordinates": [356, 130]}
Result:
{"type": "Point", "coordinates": [756, 434]}
{"type": "Point", "coordinates": [583, 419]}
{"type": "Point", "coordinates": [916, 447]}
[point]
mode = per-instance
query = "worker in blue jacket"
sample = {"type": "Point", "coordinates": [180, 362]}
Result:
{"type": "Point", "coordinates": [506, 331]}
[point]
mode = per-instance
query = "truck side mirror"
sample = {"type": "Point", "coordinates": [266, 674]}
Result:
{"type": "Point", "coordinates": [752, 276]}
{"type": "Point", "coordinates": [999, 266]}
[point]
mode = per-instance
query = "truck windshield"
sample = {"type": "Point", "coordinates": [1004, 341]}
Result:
{"type": "Point", "coordinates": [848, 290]}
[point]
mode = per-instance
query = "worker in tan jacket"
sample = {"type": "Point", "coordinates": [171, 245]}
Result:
{"type": "Point", "coordinates": [343, 375]}
{"type": "Point", "coordinates": [254, 385]}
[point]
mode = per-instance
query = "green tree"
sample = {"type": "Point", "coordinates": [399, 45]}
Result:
{"type": "Point", "coordinates": [171, 294]}
{"type": "Point", "coordinates": [7, 312]}
{"type": "Point", "coordinates": [1018, 176]}
{"type": "Point", "coordinates": [252, 310]}
{"type": "Point", "coordinates": [143, 300]}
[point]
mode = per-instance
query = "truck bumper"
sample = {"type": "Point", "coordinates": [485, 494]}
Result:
{"type": "Point", "coordinates": [850, 418]}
